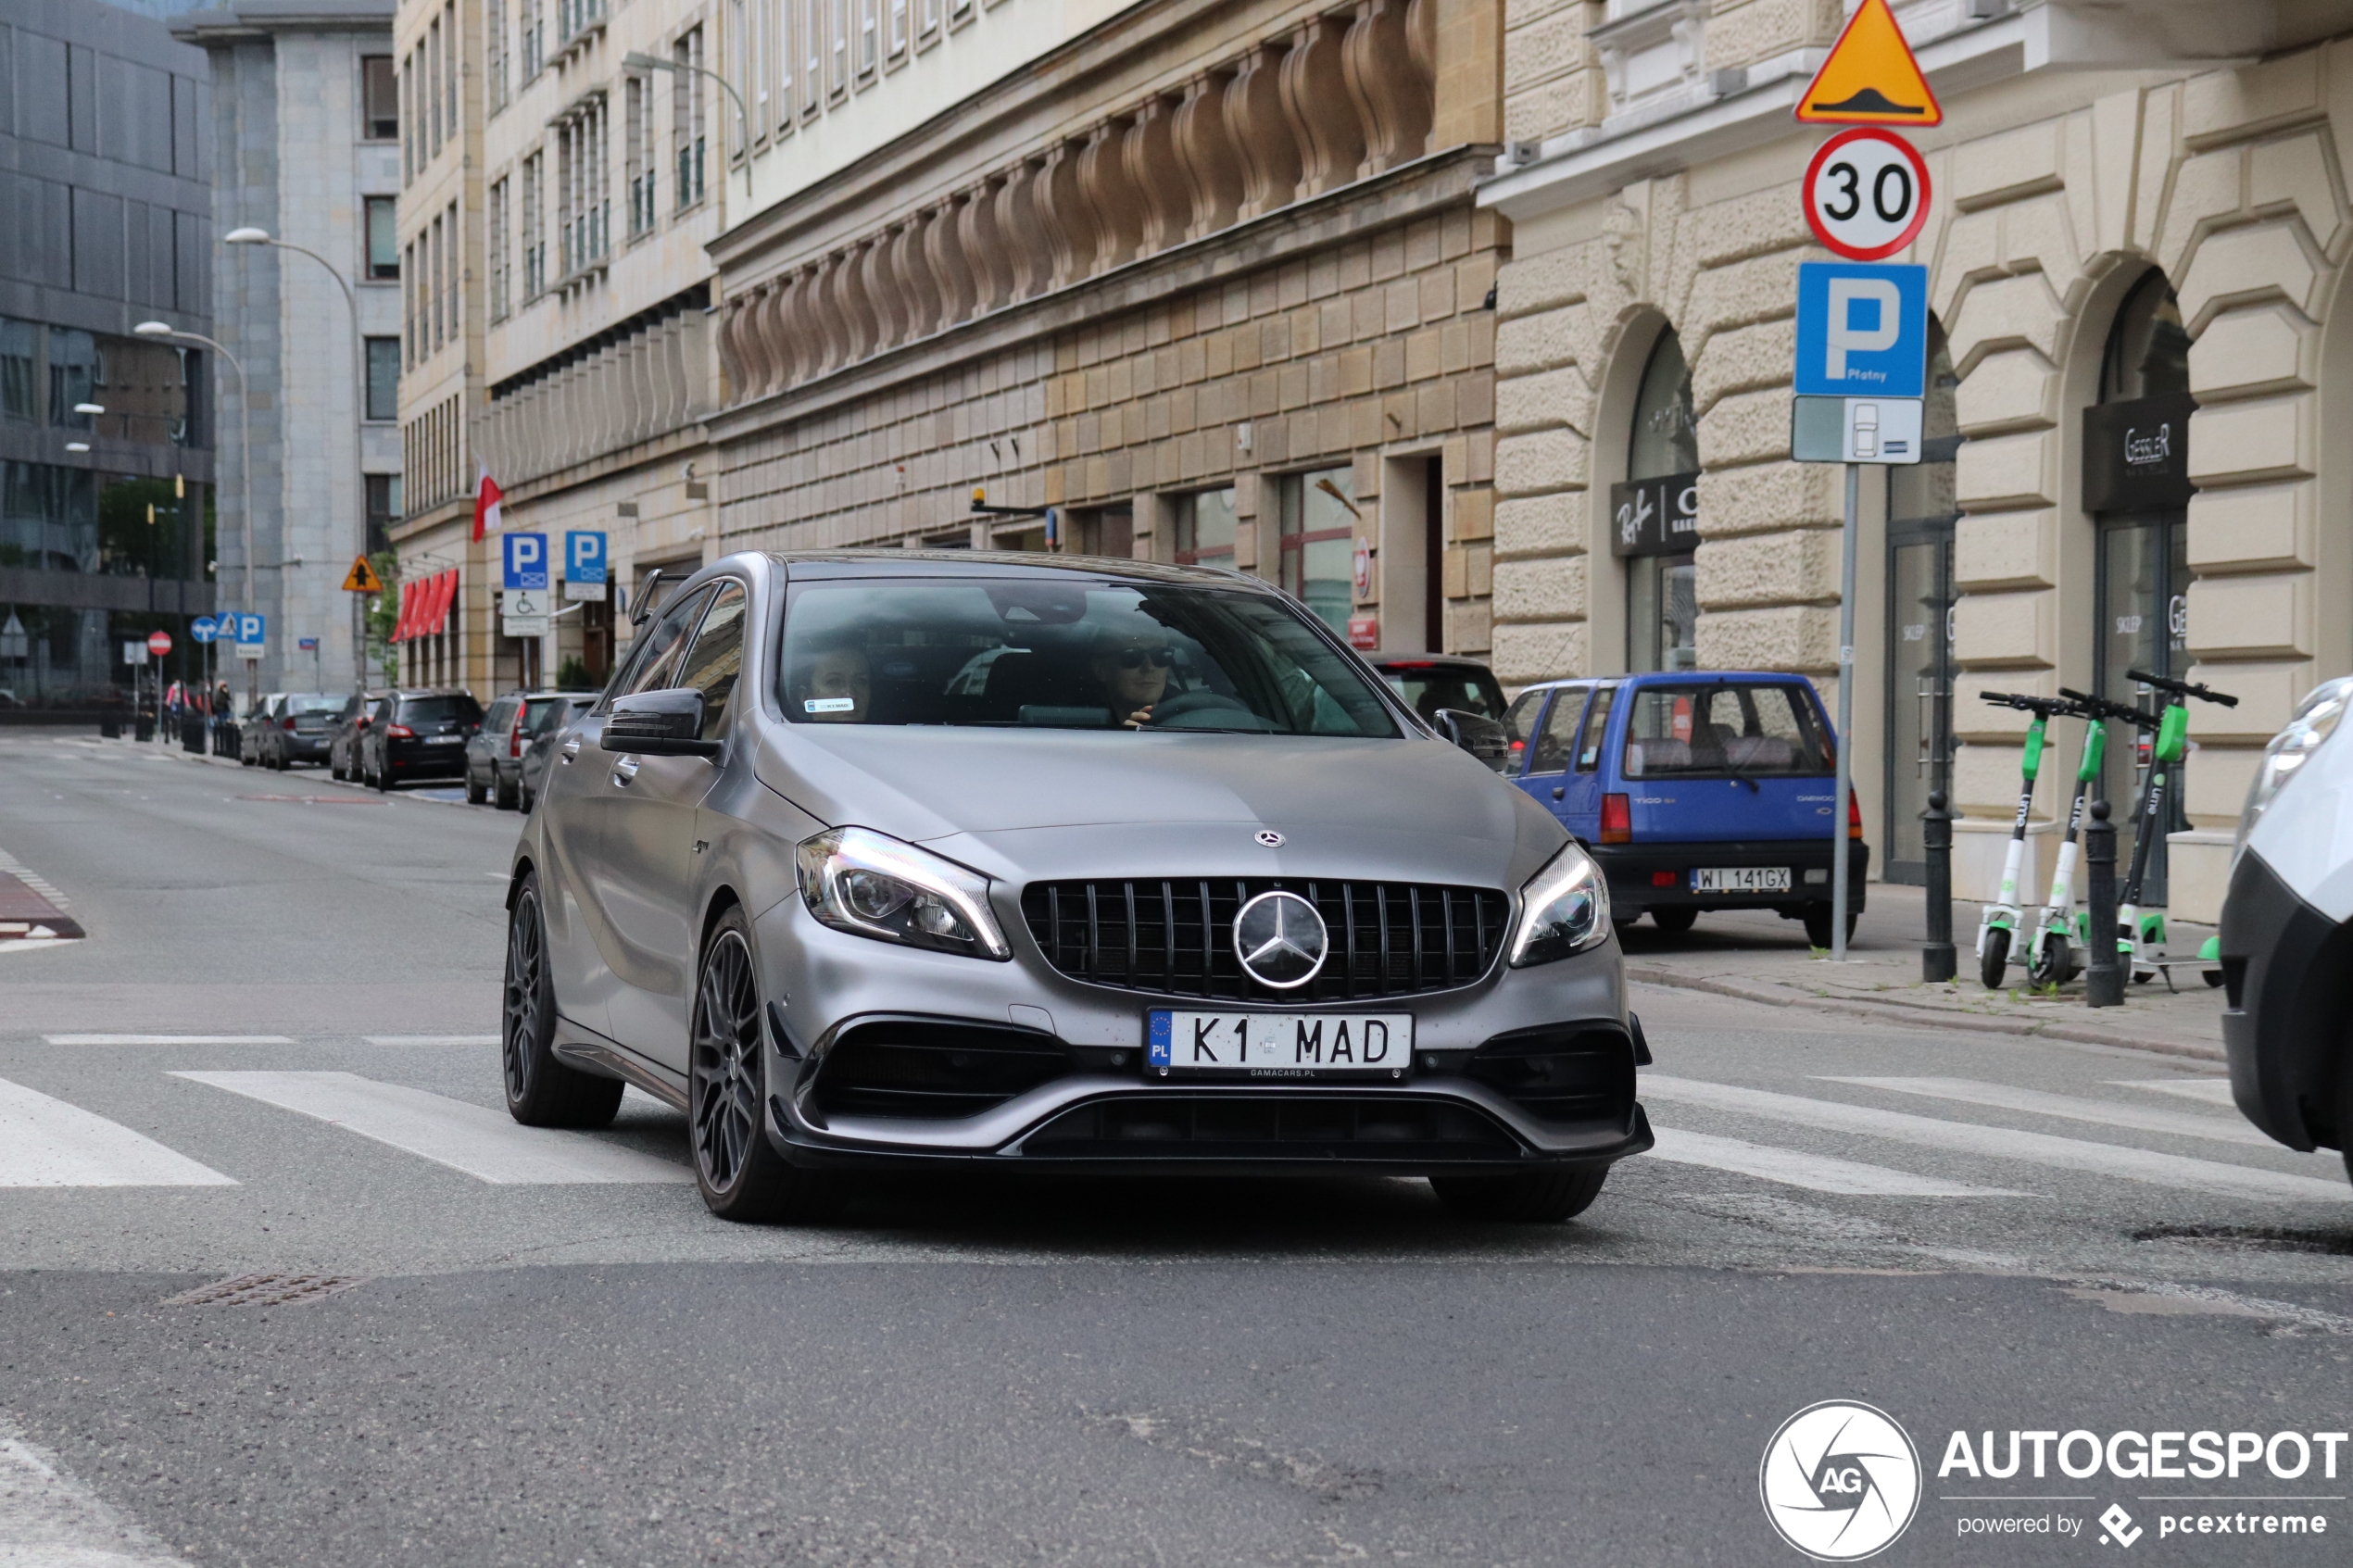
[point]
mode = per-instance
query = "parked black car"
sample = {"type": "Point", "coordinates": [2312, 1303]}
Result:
{"type": "Point", "coordinates": [420, 735]}
{"type": "Point", "coordinates": [295, 727]}
{"type": "Point", "coordinates": [544, 723]}
{"type": "Point", "coordinates": [359, 710]}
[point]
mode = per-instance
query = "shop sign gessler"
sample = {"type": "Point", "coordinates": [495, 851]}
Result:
{"type": "Point", "coordinates": [1654, 517]}
{"type": "Point", "coordinates": [2136, 455]}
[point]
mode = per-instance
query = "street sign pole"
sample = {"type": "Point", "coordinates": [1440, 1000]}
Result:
{"type": "Point", "coordinates": [1840, 850]}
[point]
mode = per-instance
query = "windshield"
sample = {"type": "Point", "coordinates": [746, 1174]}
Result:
{"type": "Point", "coordinates": [1075, 656]}
{"type": "Point", "coordinates": [440, 710]}
{"type": "Point", "coordinates": [1724, 728]}
{"type": "Point", "coordinates": [311, 703]}
{"type": "Point", "coordinates": [1428, 687]}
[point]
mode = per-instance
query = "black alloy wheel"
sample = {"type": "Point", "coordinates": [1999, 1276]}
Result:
{"type": "Point", "coordinates": [541, 1090]}
{"type": "Point", "coordinates": [1539, 1198]}
{"type": "Point", "coordinates": [741, 1175]}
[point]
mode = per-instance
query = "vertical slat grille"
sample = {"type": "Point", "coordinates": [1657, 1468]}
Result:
{"type": "Point", "coordinates": [1176, 938]}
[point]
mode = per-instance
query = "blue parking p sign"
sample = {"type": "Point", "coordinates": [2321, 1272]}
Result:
{"type": "Point", "coordinates": [1862, 330]}
{"type": "Point", "coordinates": [526, 561]}
{"type": "Point", "coordinates": [584, 556]}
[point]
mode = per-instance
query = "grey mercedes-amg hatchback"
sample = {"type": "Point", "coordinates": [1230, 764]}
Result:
{"type": "Point", "coordinates": [904, 858]}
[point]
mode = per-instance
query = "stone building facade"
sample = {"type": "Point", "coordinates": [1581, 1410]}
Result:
{"type": "Point", "coordinates": [1197, 282]}
{"type": "Point", "coordinates": [2139, 211]}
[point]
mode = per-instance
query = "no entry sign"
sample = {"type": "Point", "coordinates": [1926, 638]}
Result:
{"type": "Point", "coordinates": [159, 643]}
{"type": "Point", "coordinates": [1867, 193]}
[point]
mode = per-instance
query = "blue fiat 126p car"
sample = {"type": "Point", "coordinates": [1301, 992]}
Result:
{"type": "Point", "coordinates": [1695, 790]}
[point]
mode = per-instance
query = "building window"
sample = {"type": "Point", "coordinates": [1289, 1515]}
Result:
{"type": "Point", "coordinates": [19, 359]}
{"type": "Point", "coordinates": [638, 160]}
{"type": "Point", "coordinates": [432, 88]}
{"type": "Point", "coordinates": [384, 378]}
{"type": "Point", "coordinates": [494, 53]}
{"type": "Point", "coordinates": [1318, 537]}
{"type": "Point", "coordinates": [813, 53]}
{"type": "Point", "coordinates": [450, 69]}
{"type": "Point", "coordinates": [1205, 528]}
{"type": "Point", "coordinates": [379, 98]}
{"type": "Point", "coordinates": [931, 18]}
{"type": "Point", "coordinates": [384, 510]}
{"type": "Point", "coordinates": [383, 238]}
{"type": "Point", "coordinates": [839, 31]}
{"type": "Point", "coordinates": [1662, 591]}
{"type": "Point", "coordinates": [409, 121]}
{"type": "Point", "coordinates": [686, 115]}
{"type": "Point", "coordinates": [534, 38]}
{"type": "Point", "coordinates": [898, 28]}
{"type": "Point", "coordinates": [534, 238]}
{"type": "Point", "coordinates": [583, 210]}
{"type": "Point", "coordinates": [869, 38]}
{"type": "Point", "coordinates": [77, 373]}
{"type": "Point", "coordinates": [501, 221]}
{"type": "Point", "coordinates": [450, 270]}
{"type": "Point", "coordinates": [409, 301]}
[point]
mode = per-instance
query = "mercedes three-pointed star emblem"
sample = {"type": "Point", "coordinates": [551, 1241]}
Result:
{"type": "Point", "coordinates": [1281, 940]}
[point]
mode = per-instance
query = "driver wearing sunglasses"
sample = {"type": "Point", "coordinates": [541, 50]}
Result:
{"type": "Point", "coordinates": [1133, 658]}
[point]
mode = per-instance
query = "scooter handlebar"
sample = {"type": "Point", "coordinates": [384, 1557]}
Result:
{"type": "Point", "coordinates": [2181, 688]}
{"type": "Point", "coordinates": [2048, 707]}
{"type": "Point", "coordinates": [2101, 707]}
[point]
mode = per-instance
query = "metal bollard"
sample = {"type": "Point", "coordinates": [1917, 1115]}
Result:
{"type": "Point", "coordinates": [1937, 962]}
{"type": "Point", "coordinates": [2103, 975]}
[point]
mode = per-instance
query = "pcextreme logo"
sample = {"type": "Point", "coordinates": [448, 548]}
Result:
{"type": "Point", "coordinates": [1840, 1481]}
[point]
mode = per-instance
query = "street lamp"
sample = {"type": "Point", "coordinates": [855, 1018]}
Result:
{"type": "Point", "coordinates": [633, 60]}
{"type": "Point", "coordinates": [250, 236]}
{"type": "Point", "coordinates": [244, 432]}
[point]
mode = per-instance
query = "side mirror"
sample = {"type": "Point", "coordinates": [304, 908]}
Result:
{"type": "Point", "coordinates": [662, 723]}
{"type": "Point", "coordinates": [1483, 737]}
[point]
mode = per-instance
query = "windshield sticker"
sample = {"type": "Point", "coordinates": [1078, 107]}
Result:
{"type": "Point", "coordinates": [830, 705]}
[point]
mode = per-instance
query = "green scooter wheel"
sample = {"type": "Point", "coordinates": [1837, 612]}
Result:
{"type": "Point", "coordinates": [1995, 959]}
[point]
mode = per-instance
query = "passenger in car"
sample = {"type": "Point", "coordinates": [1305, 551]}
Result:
{"type": "Point", "coordinates": [1133, 657]}
{"type": "Point", "coordinates": [834, 687]}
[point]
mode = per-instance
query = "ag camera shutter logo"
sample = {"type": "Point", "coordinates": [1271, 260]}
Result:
{"type": "Point", "coordinates": [1840, 1481]}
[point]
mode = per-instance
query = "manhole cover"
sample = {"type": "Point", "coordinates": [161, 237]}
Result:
{"type": "Point", "coordinates": [313, 800]}
{"type": "Point", "coordinates": [2256, 1238]}
{"type": "Point", "coordinates": [265, 1290]}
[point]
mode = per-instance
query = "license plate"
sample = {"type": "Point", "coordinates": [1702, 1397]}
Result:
{"type": "Point", "coordinates": [1740, 879]}
{"type": "Point", "coordinates": [459, 740]}
{"type": "Point", "coordinates": [1279, 1042]}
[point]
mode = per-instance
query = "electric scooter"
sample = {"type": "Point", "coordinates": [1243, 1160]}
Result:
{"type": "Point", "coordinates": [2142, 937]}
{"type": "Point", "coordinates": [2048, 960]}
{"type": "Point", "coordinates": [1998, 927]}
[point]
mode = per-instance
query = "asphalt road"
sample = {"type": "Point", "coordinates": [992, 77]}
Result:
{"type": "Point", "coordinates": [549, 1354]}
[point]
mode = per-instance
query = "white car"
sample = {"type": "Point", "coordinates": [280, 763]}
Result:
{"type": "Point", "coordinates": [2287, 933]}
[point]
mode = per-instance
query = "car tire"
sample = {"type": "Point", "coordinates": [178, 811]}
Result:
{"type": "Point", "coordinates": [1674, 923]}
{"type": "Point", "coordinates": [475, 793]}
{"type": "Point", "coordinates": [741, 1175]}
{"type": "Point", "coordinates": [1995, 959]}
{"type": "Point", "coordinates": [541, 1091]}
{"type": "Point", "coordinates": [507, 795]}
{"type": "Point", "coordinates": [1818, 925]}
{"type": "Point", "coordinates": [524, 801]}
{"type": "Point", "coordinates": [1539, 1198]}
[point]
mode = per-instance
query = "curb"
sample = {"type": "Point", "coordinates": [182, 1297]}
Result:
{"type": "Point", "coordinates": [1907, 1014]}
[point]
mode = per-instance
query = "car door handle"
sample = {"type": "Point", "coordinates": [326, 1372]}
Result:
{"type": "Point", "coordinates": [624, 770]}
{"type": "Point", "coordinates": [571, 749]}
{"type": "Point", "coordinates": [1559, 790]}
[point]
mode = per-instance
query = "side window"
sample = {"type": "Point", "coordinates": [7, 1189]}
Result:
{"type": "Point", "coordinates": [718, 656]}
{"type": "Point", "coordinates": [665, 644]}
{"type": "Point", "coordinates": [1589, 754]}
{"type": "Point", "coordinates": [1518, 720]}
{"type": "Point", "coordinates": [1560, 732]}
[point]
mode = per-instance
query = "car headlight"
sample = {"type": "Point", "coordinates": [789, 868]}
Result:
{"type": "Point", "coordinates": [871, 884]}
{"type": "Point", "coordinates": [2316, 720]}
{"type": "Point", "coordinates": [1563, 909]}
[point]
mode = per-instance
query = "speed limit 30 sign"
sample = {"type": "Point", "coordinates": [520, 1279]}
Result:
{"type": "Point", "coordinates": [1867, 193]}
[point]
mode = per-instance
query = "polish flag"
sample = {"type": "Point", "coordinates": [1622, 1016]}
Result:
{"type": "Point", "coordinates": [486, 501]}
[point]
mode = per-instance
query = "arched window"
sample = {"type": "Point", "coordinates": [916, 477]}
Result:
{"type": "Point", "coordinates": [2136, 487]}
{"type": "Point", "coordinates": [1656, 514]}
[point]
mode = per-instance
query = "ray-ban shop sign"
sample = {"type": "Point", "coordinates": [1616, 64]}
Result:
{"type": "Point", "coordinates": [1654, 517]}
{"type": "Point", "coordinates": [2136, 455]}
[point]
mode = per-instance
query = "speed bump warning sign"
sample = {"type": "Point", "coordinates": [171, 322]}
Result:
{"type": "Point", "coordinates": [1870, 77]}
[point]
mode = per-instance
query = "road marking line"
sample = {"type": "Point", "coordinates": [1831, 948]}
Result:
{"type": "Point", "coordinates": [488, 1145]}
{"type": "Point", "coordinates": [2004, 1097]}
{"type": "Point", "coordinates": [49, 1520]}
{"type": "Point", "coordinates": [2180, 1172]}
{"type": "Point", "coordinates": [168, 1039]}
{"type": "Point", "coordinates": [47, 1143]}
{"type": "Point", "coordinates": [430, 1039]}
{"type": "Point", "coordinates": [2209, 1091]}
{"type": "Point", "coordinates": [1818, 1173]}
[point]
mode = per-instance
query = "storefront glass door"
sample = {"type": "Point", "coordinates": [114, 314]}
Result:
{"type": "Point", "coordinates": [2144, 588]}
{"type": "Point", "coordinates": [1920, 687]}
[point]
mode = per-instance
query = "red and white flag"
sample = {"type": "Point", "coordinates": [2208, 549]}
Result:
{"type": "Point", "coordinates": [486, 501]}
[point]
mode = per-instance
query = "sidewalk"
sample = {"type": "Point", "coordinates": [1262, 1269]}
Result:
{"type": "Point", "coordinates": [1759, 957]}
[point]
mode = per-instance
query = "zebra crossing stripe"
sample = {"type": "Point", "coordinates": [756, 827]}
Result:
{"type": "Point", "coordinates": [2206, 1091]}
{"type": "Point", "coordinates": [2182, 1172]}
{"type": "Point", "coordinates": [1818, 1173]}
{"type": "Point", "coordinates": [2035, 1102]}
{"type": "Point", "coordinates": [485, 1143]}
{"type": "Point", "coordinates": [47, 1143]}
